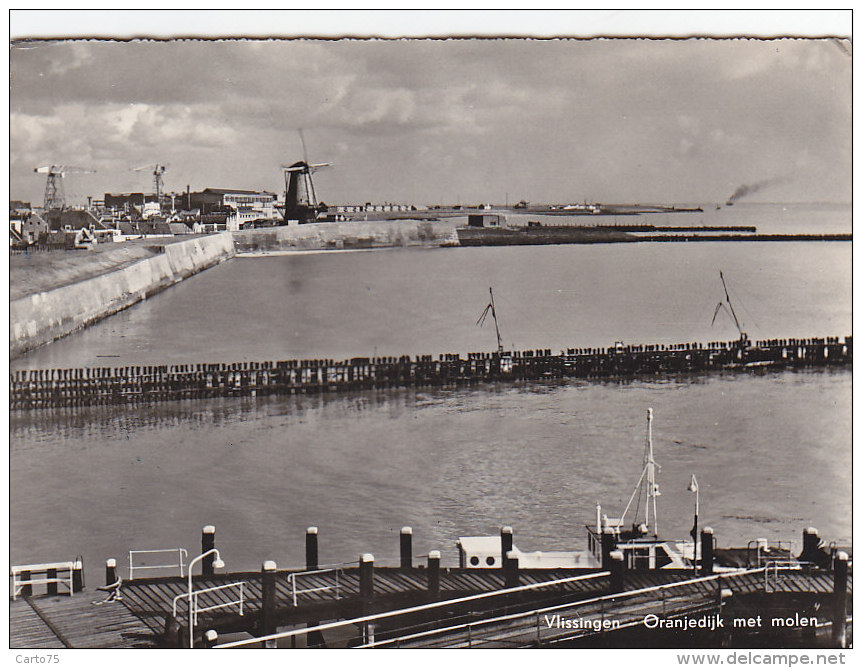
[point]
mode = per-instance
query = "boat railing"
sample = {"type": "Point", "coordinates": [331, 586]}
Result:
{"type": "Point", "coordinates": [760, 551]}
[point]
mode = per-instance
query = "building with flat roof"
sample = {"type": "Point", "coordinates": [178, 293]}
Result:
{"type": "Point", "coordinates": [241, 207]}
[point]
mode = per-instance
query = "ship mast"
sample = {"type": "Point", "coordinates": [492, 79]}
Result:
{"type": "Point", "coordinates": [743, 337]}
{"type": "Point", "coordinates": [647, 479]}
{"type": "Point", "coordinates": [490, 308]}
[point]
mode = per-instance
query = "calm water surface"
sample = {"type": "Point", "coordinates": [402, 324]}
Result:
{"type": "Point", "coordinates": [771, 450]}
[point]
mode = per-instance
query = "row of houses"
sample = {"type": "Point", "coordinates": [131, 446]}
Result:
{"type": "Point", "coordinates": [119, 217]}
{"type": "Point", "coordinates": [229, 209]}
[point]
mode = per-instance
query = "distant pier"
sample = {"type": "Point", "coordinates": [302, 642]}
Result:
{"type": "Point", "coordinates": [50, 388]}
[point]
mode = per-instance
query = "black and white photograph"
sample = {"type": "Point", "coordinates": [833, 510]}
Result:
{"type": "Point", "coordinates": [420, 329]}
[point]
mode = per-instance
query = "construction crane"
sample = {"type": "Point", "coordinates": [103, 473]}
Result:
{"type": "Point", "coordinates": [158, 181]}
{"type": "Point", "coordinates": [55, 197]}
{"type": "Point", "coordinates": [300, 200]}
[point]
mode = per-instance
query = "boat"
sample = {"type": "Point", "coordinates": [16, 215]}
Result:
{"type": "Point", "coordinates": [639, 541]}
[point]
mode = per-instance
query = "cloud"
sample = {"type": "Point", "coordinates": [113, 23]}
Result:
{"type": "Point", "coordinates": [563, 120]}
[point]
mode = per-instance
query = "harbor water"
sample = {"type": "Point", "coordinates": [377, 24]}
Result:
{"type": "Point", "coordinates": [771, 450]}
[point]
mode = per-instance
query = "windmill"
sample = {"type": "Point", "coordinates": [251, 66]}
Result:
{"type": "Point", "coordinates": [300, 200]}
{"type": "Point", "coordinates": [158, 181]}
{"type": "Point", "coordinates": [55, 197]}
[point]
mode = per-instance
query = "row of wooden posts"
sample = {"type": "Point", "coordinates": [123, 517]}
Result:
{"type": "Point", "coordinates": [45, 388]}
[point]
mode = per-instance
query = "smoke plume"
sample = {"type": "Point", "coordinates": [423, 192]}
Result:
{"type": "Point", "coordinates": [747, 189]}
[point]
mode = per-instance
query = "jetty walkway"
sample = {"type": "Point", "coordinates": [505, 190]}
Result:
{"type": "Point", "coordinates": [49, 388]}
{"type": "Point", "coordinates": [421, 604]}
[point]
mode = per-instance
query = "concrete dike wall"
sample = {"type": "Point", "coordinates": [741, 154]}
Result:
{"type": "Point", "coordinates": [43, 317]}
{"type": "Point", "coordinates": [348, 235]}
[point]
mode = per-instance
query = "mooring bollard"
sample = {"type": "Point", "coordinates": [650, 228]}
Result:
{"type": "Point", "coordinates": [839, 589]}
{"type": "Point", "coordinates": [506, 544]}
{"type": "Point", "coordinates": [512, 574]}
{"type": "Point", "coordinates": [609, 544]}
{"type": "Point", "coordinates": [707, 553]}
{"type": "Point", "coordinates": [173, 632]}
{"type": "Point", "coordinates": [366, 577]}
{"type": "Point", "coordinates": [267, 608]}
{"type": "Point", "coordinates": [311, 554]}
{"type": "Point", "coordinates": [210, 639]}
{"type": "Point", "coordinates": [207, 544]}
{"type": "Point", "coordinates": [78, 576]}
{"type": "Point", "coordinates": [110, 571]}
{"type": "Point", "coordinates": [434, 575]}
{"type": "Point", "coordinates": [406, 548]}
{"type": "Point", "coordinates": [617, 568]}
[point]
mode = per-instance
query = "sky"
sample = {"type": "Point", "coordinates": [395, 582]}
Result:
{"type": "Point", "coordinates": [441, 121]}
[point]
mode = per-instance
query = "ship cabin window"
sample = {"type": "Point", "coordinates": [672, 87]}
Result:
{"type": "Point", "coordinates": [474, 561]}
{"type": "Point", "coordinates": [640, 558]}
{"type": "Point", "coordinates": [490, 561]}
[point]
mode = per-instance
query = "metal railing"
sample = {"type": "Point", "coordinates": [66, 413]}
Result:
{"type": "Point", "coordinates": [662, 606]}
{"type": "Point", "coordinates": [336, 586]}
{"type": "Point", "coordinates": [51, 574]}
{"type": "Point", "coordinates": [610, 611]}
{"type": "Point", "coordinates": [181, 553]}
{"type": "Point", "coordinates": [542, 626]}
{"type": "Point", "coordinates": [194, 600]}
{"type": "Point", "coordinates": [762, 550]}
{"type": "Point", "coordinates": [421, 608]}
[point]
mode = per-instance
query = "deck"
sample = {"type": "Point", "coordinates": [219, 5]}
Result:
{"type": "Point", "coordinates": [56, 622]}
{"type": "Point", "coordinates": [138, 619]}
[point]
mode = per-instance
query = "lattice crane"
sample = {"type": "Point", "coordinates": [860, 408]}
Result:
{"type": "Point", "coordinates": [55, 197]}
{"type": "Point", "coordinates": [158, 180]}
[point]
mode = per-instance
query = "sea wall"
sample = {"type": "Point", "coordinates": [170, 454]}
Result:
{"type": "Point", "coordinates": [347, 235]}
{"type": "Point", "coordinates": [43, 317]}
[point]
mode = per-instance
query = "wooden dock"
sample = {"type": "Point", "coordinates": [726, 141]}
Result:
{"type": "Point", "coordinates": [552, 625]}
{"type": "Point", "coordinates": [50, 388]}
{"type": "Point", "coordinates": [139, 618]}
{"type": "Point", "coordinates": [56, 622]}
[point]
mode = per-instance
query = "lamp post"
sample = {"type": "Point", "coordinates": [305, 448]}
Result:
{"type": "Point", "coordinates": [218, 563]}
{"type": "Point", "coordinates": [693, 487]}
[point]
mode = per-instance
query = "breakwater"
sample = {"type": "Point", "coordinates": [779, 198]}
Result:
{"type": "Point", "coordinates": [42, 317]}
{"type": "Point", "coordinates": [347, 235]}
{"type": "Point", "coordinates": [49, 388]}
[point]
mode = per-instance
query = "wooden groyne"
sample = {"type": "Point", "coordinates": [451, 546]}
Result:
{"type": "Point", "coordinates": [47, 388]}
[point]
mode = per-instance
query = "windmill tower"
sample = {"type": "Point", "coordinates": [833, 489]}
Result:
{"type": "Point", "coordinates": [55, 197]}
{"type": "Point", "coordinates": [300, 200]}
